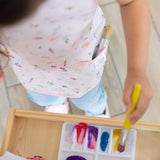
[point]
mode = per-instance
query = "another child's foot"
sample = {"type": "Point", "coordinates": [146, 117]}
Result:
{"type": "Point", "coordinates": [62, 108]}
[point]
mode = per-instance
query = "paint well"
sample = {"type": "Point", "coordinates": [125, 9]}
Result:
{"type": "Point", "coordinates": [104, 141]}
{"type": "Point", "coordinates": [116, 138]}
{"type": "Point", "coordinates": [92, 137]}
{"type": "Point", "coordinates": [81, 129]}
{"type": "Point", "coordinates": [76, 158]}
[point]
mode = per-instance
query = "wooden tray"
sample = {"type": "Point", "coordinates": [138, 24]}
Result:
{"type": "Point", "coordinates": [30, 133]}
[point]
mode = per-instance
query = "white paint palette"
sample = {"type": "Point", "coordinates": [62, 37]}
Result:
{"type": "Point", "coordinates": [70, 146]}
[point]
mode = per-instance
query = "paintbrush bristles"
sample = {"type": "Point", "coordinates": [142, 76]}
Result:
{"type": "Point", "coordinates": [107, 31]}
{"type": "Point", "coordinates": [121, 148]}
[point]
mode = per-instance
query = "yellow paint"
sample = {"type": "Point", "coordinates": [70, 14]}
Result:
{"type": "Point", "coordinates": [26, 46]}
{"type": "Point", "coordinates": [116, 138]}
{"type": "Point", "coordinates": [85, 45]}
{"type": "Point", "coordinates": [44, 76]}
{"type": "Point", "coordinates": [76, 60]}
{"type": "Point", "coordinates": [53, 39]}
{"type": "Point", "coordinates": [69, 29]}
{"type": "Point", "coordinates": [27, 70]}
{"type": "Point", "coordinates": [78, 70]}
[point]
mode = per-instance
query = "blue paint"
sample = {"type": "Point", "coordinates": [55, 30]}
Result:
{"type": "Point", "coordinates": [104, 141]}
{"type": "Point", "coordinates": [75, 158]}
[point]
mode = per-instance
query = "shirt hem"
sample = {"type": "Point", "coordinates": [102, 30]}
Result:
{"type": "Point", "coordinates": [59, 95]}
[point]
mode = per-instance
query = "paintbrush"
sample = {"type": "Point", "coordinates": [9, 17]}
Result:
{"type": "Point", "coordinates": [106, 34]}
{"type": "Point", "coordinates": [127, 125]}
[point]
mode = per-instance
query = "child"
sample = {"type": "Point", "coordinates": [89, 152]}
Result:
{"type": "Point", "coordinates": [51, 51]}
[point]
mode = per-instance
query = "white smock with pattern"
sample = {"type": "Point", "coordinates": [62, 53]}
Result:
{"type": "Point", "coordinates": [53, 47]}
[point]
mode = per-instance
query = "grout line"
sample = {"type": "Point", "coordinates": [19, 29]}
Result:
{"type": "Point", "coordinates": [13, 85]}
{"type": "Point", "coordinates": [119, 79]}
{"type": "Point", "coordinates": [106, 4]}
{"type": "Point", "coordinates": [7, 94]}
{"type": "Point", "coordinates": [114, 65]}
{"type": "Point", "coordinates": [118, 114]}
{"type": "Point", "coordinates": [154, 25]}
{"type": "Point", "coordinates": [7, 91]}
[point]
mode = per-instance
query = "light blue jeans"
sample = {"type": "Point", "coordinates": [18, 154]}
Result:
{"type": "Point", "coordinates": [93, 102]}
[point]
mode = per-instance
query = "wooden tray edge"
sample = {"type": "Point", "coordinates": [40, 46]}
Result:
{"type": "Point", "coordinates": [8, 130]}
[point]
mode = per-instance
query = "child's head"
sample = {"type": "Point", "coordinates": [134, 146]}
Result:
{"type": "Point", "coordinates": [12, 11]}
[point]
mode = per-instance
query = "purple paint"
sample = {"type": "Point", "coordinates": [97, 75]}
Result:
{"type": "Point", "coordinates": [92, 137]}
{"type": "Point", "coordinates": [75, 158]}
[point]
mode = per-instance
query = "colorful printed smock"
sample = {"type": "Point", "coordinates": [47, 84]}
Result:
{"type": "Point", "coordinates": [53, 48]}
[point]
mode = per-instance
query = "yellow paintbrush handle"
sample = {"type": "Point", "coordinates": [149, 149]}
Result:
{"type": "Point", "coordinates": [135, 97]}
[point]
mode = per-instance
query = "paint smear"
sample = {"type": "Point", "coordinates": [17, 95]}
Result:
{"type": "Point", "coordinates": [92, 136]}
{"type": "Point", "coordinates": [116, 138]}
{"type": "Point", "coordinates": [81, 129]}
{"type": "Point", "coordinates": [68, 137]}
{"type": "Point", "coordinates": [104, 141]}
{"type": "Point", "coordinates": [75, 158]}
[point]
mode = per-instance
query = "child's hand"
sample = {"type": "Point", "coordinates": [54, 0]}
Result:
{"type": "Point", "coordinates": [1, 74]}
{"type": "Point", "coordinates": [145, 95]}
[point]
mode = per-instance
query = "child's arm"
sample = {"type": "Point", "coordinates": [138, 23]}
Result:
{"type": "Point", "coordinates": [136, 23]}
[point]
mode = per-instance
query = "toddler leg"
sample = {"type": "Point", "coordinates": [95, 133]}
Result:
{"type": "Point", "coordinates": [94, 102]}
{"type": "Point", "coordinates": [44, 99]}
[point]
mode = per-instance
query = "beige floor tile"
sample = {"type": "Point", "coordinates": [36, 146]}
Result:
{"type": "Point", "coordinates": [148, 116]}
{"type": "Point", "coordinates": [118, 51]}
{"type": "Point", "coordinates": [121, 116]}
{"type": "Point", "coordinates": [10, 76]}
{"type": "Point", "coordinates": [4, 107]}
{"type": "Point", "coordinates": [119, 56]}
{"type": "Point", "coordinates": [155, 12]}
{"type": "Point", "coordinates": [112, 86]}
{"type": "Point", "coordinates": [19, 99]}
{"type": "Point", "coordinates": [75, 110]}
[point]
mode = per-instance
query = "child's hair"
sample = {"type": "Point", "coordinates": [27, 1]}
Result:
{"type": "Point", "coordinates": [12, 11]}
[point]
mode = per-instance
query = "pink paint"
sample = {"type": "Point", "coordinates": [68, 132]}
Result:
{"type": "Point", "coordinates": [81, 129]}
{"type": "Point", "coordinates": [18, 65]}
{"type": "Point", "coordinates": [102, 16]}
{"type": "Point", "coordinates": [68, 137]}
{"type": "Point", "coordinates": [63, 68]}
{"type": "Point", "coordinates": [102, 49]}
{"type": "Point", "coordinates": [53, 66]}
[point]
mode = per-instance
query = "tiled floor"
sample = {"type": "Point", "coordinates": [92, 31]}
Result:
{"type": "Point", "coordinates": [12, 93]}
